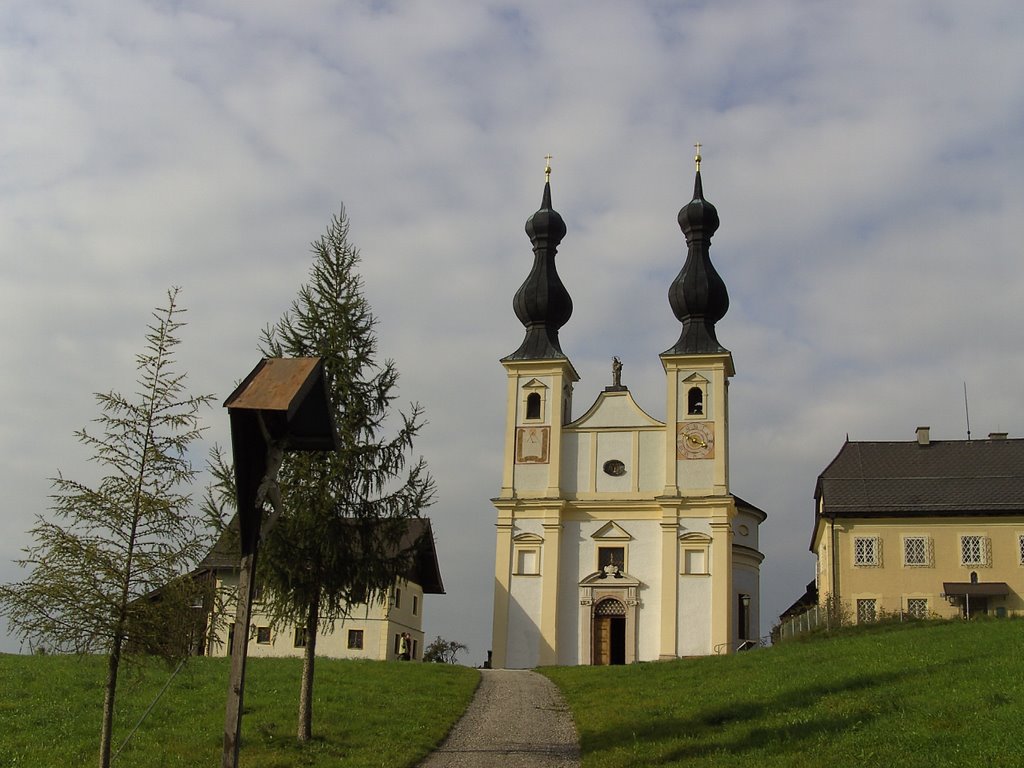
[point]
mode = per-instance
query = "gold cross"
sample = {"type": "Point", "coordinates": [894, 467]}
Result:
{"type": "Point", "coordinates": [697, 158]}
{"type": "Point", "coordinates": [547, 167]}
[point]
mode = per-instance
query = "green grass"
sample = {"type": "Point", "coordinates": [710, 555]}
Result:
{"type": "Point", "coordinates": [365, 713]}
{"type": "Point", "coordinates": [924, 694]}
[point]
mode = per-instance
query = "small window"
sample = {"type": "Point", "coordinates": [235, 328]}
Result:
{"type": "Point", "coordinates": [527, 562]}
{"type": "Point", "coordinates": [695, 561]}
{"type": "Point", "coordinates": [695, 401]}
{"type": "Point", "coordinates": [1020, 548]}
{"type": "Point", "coordinates": [866, 610]}
{"type": "Point", "coordinates": [398, 644]}
{"type": "Point", "coordinates": [973, 550]}
{"type": "Point", "coordinates": [533, 405]}
{"type": "Point", "coordinates": [415, 605]}
{"type": "Point", "coordinates": [916, 551]}
{"type": "Point", "coordinates": [415, 647]}
{"type": "Point", "coordinates": [300, 637]}
{"type": "Point", "coordinates": [398, 597]}
{"type": "Point", "coordinates": [867, 551]}
{"type": "Point", "coordinates": [611, 559]}
{"type": "Point", "coordinates": [917, 607]}
{"type": "Point", "coordinates": [263, 635]}
{"type": "Point", "coordinates": [355, 639]}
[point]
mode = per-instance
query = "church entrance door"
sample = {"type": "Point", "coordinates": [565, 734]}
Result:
{"type": "Point", "coordinates": [609, 633]}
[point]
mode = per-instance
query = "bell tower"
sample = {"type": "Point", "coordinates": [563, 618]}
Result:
{"type": "Point", "coordinates": [538, 404]}
{"type": "Point", "coordinates": [697, 371]}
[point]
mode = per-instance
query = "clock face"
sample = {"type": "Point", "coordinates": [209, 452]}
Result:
{"type": "Point", "coordinates": [696, 440]}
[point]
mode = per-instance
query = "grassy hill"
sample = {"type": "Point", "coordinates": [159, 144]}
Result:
{"type": "Point", "coordinates": [366, 713]}
{"type": "Point", "coordinates": [921, 694]}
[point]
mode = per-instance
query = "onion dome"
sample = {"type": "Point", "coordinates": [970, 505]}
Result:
{"type": "Point", "coordinates": [542, 303]}
{"type": "Point", "coordinates": [698, 296]}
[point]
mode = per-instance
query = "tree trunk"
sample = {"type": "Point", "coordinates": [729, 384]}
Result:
{"type": "Point", "coordinates": [308, 660]}
{"type": "Point", "coordinates": [106, 734]}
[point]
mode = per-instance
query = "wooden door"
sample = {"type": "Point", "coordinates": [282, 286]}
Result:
{"type": "Point", "coordinates": [602, 640]}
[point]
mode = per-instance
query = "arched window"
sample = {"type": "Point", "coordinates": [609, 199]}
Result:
{"type": "Point", "coordinates": [695, 401]}
{"type": "Point", "coordinates": [533, 405]}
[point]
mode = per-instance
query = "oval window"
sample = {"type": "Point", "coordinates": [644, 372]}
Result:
{"type": "Point", "coordinates": [615, 468]}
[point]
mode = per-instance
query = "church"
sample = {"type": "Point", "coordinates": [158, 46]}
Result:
{"type": "Point", "coordinates": [618, 538]}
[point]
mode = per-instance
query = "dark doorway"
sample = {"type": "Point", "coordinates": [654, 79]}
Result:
{"type": "Point", "coordinates": [609, 633]}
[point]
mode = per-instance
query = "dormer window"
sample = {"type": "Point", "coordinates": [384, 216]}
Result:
{"type": "Point", "coordinates": [533, 405]}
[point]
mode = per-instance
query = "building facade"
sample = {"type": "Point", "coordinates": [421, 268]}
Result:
{"type": "Point", "coordinates": [922, 528]}
{"type": "Point", "coordinates": [368, 631]}
{"type": "Point", "coordinates": [618, 537]}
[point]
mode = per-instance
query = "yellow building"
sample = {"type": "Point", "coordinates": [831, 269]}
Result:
{"type": "Point", "coordinates": [368, 631]}
{"type": "Point", "coordinates": [618, 537]}
{"type": "Point", "coordinates": [922, 528]}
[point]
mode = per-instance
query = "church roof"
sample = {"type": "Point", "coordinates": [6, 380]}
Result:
{"type": "Point", "coordinates": [542, 303]}
{"type": "Point", "coordinates": [425, 571]}
{"type": "Point", "coordinates": [936, 477]}
{"type": "Point", "coordinates": [698, 296]}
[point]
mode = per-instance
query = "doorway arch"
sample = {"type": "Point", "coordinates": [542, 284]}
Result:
{"type": "Point", "coordinates": [608, 618]}
{"type": "Point", "coordinates": [609, 633]}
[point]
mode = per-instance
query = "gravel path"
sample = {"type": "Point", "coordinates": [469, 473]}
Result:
{"type": "Point", "coordinates": [517, 719]}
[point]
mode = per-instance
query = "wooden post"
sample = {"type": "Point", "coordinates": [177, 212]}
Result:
{"type": "Point", "coordinates": [239, 652]}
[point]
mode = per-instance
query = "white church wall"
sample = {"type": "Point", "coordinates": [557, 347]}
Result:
{"type": "Point", "coordinates": [696, 474]}
{"type": "Point", "coordinates": [523, 629]}
{"type": "Point", "coordinates": [694, 612]}
{"type": "Point", "coordinates": [614, 445]}
{"type": "Point", "coordinates": [651, 472]}
{"type": "Point", "coordinates": [531, 478]}
{"type": "Point", "coordinates": [575, 467]}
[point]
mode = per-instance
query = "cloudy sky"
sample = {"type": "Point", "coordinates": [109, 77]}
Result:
{"type": "Point", "coordinates": [865, 159]}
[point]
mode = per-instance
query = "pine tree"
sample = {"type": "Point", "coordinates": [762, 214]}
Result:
{"type": "Point", "coordinates": [107, 570]}
{"type": "Point", "coordinates": [337, 542]}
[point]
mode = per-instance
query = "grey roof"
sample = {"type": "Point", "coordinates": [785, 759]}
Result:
{"type": "Point", "coordinates": [941, 477]}
{"type": "Point", "coordinates": [418, 533]}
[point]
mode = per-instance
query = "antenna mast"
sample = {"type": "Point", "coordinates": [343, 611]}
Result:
{"type": "Point", "coordinates": [967, 412]}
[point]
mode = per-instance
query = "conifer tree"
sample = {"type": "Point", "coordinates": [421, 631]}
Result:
{"type": "Point", "coordinates": [110, 548]}
{"type": "Point", "coordinates": [345, 512]}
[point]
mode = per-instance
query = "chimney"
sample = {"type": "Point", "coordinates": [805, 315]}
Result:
{"type": "Point", "coordinates": [997, 435]}
{"type": "Point", "coordinates": [922, 436]}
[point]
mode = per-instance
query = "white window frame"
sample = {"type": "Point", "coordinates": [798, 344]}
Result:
{"type": "Point", "coordinates": [861, 602]}
{"type": "Point", "coordinates": [921, 614]}
{"type": "Point", "coordinates": [926, 551]}
{"type": "Point", "coordinates": [984, 547]}
{"type": "Point", "coordinates": [867, 551]}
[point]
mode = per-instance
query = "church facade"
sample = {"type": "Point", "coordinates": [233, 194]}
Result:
{"type": "Point", "coordinates": [618, 538]}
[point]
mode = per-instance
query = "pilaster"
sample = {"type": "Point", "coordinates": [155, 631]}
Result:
{"type": "Point", "coordinates": [669, 587]}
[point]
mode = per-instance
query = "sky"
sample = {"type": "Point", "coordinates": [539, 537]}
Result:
{"type": "Point", "coordinates": [865, 160]}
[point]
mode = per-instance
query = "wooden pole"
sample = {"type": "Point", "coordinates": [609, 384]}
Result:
{"type": "Point", "coordinates": [239, 652]}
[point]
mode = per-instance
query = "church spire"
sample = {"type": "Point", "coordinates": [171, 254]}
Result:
{"type": "Point", "coordinates": [542, 303]}
{"type": "Point", "coordinates": [698, 296]}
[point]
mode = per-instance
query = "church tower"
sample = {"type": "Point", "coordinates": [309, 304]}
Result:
{"type": "Point", "coordinates": [538, 405]}
{"type": "Point", "coordinates": [618, 538]}
{"type": "Point", "coordinates": [697, 370]}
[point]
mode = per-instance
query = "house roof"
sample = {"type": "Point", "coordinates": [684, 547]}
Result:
{"type": "Point", "coordinates": [938, 477]}
{"type": "Point", "coordinates": [425, 571]}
